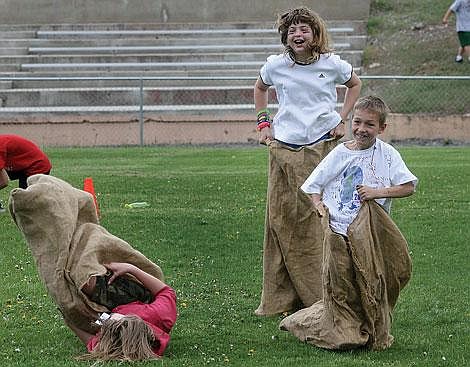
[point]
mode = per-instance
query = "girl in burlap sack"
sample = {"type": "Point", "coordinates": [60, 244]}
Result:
{"type": "Point", "coordinates": [90, 273]}
{"type": "Point", "coordinates": [305, 128]}
{"type": "Point", "coordinates": [137, 330]}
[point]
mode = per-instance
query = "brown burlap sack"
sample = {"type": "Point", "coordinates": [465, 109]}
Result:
{"type": "Point", "coordinates": [60, 226]}
{"type": "Point", "coordinates": [362, 279]}
{"type": "Point", "coordinates": [293, 236]}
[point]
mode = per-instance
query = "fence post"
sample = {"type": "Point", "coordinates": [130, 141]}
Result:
{"type": "Point", "coordinates": [141, 112]}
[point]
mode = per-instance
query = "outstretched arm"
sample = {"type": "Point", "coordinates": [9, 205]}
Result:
{"type": "Point", "coordinates": [398, 191]}
{"type": "Point", "coordinates": [150, 282]}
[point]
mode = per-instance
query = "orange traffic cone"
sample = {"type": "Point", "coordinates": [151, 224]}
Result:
{"type": "Point", "coordinates": [88, 187]}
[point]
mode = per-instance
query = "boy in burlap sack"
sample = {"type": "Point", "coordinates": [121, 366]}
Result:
{"type": "Point", "coordinates": [88, 271]}
{"type": "Point", "coordinates": [305, 128]}
{"type": "Point", "coordinates": [365, 258]}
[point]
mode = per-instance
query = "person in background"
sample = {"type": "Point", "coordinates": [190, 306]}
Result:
{"type": "Point", "coordinates": [461, 9]}
{"type": "Point", "coordinates": [19, 159]}
{"type": "Point", "coordinates": [305, 128]}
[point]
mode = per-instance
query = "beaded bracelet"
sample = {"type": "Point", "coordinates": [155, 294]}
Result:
{"type": "Point", "coordinates": [263, 116]}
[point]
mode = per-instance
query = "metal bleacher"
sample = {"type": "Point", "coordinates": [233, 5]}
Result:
{"type": "Point", "coordinates": [186, 67]}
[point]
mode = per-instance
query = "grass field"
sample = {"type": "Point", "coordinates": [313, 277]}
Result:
{"type": "Point", "coordinates": [204, 227]}
{"type": "Point", "coordinates": [407, 37]}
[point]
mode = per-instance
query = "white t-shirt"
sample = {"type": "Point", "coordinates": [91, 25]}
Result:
{"type": "Point", "coordinates": [461, 8]}
{"type": "Point", "coordinates": [342, 169]}
{"type": "Point", "coordinates": [306, 95]}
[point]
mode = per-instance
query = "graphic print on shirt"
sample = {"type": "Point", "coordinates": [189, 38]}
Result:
{"type": "Point", "coordinates": [352, 177]}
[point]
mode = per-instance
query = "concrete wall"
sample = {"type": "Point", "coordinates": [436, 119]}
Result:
{"type": "Point", "coordinates": [118, 130]}
{"type": "Point", "coordinates": [125, 11]}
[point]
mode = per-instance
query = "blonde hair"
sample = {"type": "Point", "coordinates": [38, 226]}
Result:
{"type": "Point", "coordinates": [125, 339]}
{"type": "Point", "coordinates": [373, 104]}
{"type": "Point", "coordinates": [303, 14]}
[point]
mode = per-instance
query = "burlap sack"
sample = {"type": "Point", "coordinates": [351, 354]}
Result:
{"type": "Point", "coordinates": [293, 238]}
{"type": "Point", "coordinates": [60, 226]}
{"type": "Point", "coordinates": [362, 279]}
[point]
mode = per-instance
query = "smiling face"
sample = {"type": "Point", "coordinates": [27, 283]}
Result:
{"type": "Point", "coordinates": [365, 128]}
{"type": "Point", "coordinates": [300, 39]}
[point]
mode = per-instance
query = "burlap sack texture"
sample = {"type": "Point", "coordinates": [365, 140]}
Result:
{"type": "Point", "coordinates": [293, 239]}
{"type": "Point", "coordinates": [60, 226]}
{"type": "Point", "coordinates": [361, 280]}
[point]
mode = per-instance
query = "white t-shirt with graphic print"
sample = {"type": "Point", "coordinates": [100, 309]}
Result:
{"type": "Point", "coordinates": [306, 94]}
{"type": "Point", "coordinates": [338, 174]}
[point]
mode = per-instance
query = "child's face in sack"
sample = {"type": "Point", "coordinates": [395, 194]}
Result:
{"type": "Point", "coordinates": [366, 127]}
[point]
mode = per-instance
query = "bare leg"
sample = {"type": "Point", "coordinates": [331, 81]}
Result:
{"type": "Point", "coordinates": [459, 56]}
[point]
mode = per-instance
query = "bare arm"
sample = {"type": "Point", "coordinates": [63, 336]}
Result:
{"type": "Point", "coordinates": [352, 94]}
{"type": "Point", "coordinates": [153, 284]}
{"type": "Point", "coordinates": [4, 180]}
{"type": "Point", "coordinates": [398, 191]}
{"type": "Point", "coordinates": [261, 102]}
{"type": "Point", "coordinates": [350, 98]}
{"type": "Point", "coordinates": [445, 19]}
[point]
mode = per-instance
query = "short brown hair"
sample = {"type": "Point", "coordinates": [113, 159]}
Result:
{"type": "Point", "coordinates": [373, 104]}
{"type": "Point", "coordinates": [304, 15]}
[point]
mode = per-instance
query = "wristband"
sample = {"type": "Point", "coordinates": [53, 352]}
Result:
{"type": "Point", "coordinates": [262, 125]}
{"type": "Point", "coordinates": [263, 116]}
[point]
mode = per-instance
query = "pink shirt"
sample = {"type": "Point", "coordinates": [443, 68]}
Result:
{"type": "Point", "coordinates": [160, 315]}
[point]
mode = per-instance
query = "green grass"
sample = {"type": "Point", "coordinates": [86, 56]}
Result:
{"type": "Point", "coordinates": [204, 227]}
{"type": "Point", "coordinates": [407, 37]}
{"type": "Point", "coordinates": [399, 49]}
{"type": "Point", "coordinates": [439, 97]}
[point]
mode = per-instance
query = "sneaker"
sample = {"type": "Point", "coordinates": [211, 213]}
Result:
{"type": "Point", "coordinates": [2, 209]}
{"type": "Point", "coordinates": [458, 58]}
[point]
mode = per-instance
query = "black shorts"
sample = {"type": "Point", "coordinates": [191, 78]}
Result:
{"type": "Point", "coordinates": [21, 177]}
{"type": "Point", "coordinates": [464, 38]}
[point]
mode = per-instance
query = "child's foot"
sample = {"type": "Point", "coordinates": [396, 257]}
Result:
{"type": "Point", "coordinates": [458, 58]}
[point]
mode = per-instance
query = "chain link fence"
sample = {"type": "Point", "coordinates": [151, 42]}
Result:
{"type": "Point", "coordinates": [138, 111]}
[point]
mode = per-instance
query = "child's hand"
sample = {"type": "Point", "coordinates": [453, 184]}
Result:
{"type": "Point", "coordinates": [320, 207]}
{"type": "Point", "coordinates": [366, 192]}
{"type": "Point", "coordinates": [339, 131]}
{"type": "Point", "coordinates": [118, 269]}
{"type": "Point", "coordinates": [265, 136]}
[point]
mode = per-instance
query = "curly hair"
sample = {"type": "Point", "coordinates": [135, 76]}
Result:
{"type": "Point", "coordinates": [373, 104]}
{"type": "Point", "coordinates": [320, 44]}
{"type": "Point", "coordinates": [125, 339]}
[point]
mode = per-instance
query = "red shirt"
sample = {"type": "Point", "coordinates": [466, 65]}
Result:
{"type": "Point", "coordinates": [160, 315]}
{"type": "Point", "coordinates": [18, 154]}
